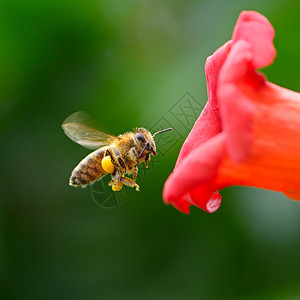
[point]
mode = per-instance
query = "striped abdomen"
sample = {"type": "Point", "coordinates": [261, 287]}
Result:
{"type": "Point", "coordinates": [89, 169]}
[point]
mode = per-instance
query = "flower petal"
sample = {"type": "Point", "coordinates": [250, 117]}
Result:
{"type": "Point", "coordinates": [207, 126]}
{"type": "Point", "coordinates": [200, 167]}
{"type": "Point", "coordinates": [205, 198]}
{"type": "Point", "coordinates": [258, 31]}
{"type": "Point", "coordinates": [213, 66]}
{"type": "Point", "coordinates": [236, 109]}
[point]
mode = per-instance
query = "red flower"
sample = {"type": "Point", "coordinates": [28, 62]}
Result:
{"type": "Point", "coordinates": [249, 131]}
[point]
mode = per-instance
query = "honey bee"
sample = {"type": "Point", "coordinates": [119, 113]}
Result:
{"type": "Point", "coordinates": [118, 156]}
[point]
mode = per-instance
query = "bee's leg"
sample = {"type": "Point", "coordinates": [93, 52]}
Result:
{"type": "Point", "coordinates": [129, 182]}
{"type": "Point", "coordinates": [135, 171]}
{"type": "Point", "coordinates": [135, 155]}
{"type": "Point", "coordinates": [147, 159]}
{"type": "Point", "coordinates": [115, 177]}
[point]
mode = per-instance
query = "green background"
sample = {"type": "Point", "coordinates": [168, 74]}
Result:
{"type": "Point", "coordinates": [126, 63]}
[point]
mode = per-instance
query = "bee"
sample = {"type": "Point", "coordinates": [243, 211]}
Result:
{"type": "Point", "coordinates": [118, 156]}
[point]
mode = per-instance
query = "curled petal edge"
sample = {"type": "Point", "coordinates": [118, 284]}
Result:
{"type": "Point", "coordinates": [256, 29]}
{"type": "Point", "coordinates": [236, 109]}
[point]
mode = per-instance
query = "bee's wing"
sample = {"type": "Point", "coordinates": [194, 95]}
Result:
{"type": "Point", "coordinates": [77, 128]}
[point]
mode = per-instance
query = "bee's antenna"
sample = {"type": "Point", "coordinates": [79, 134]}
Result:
{"type": "Point", "coordinates": [143, 150]}
{"type": "Point", "coordinates": [161, 131]}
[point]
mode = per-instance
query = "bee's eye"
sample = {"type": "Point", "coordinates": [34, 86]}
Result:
{"type": "Point", "coordinates": [140, 137]}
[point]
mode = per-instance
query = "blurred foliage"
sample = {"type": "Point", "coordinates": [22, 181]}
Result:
{"type": "Point", "coordinates": [126, 63]}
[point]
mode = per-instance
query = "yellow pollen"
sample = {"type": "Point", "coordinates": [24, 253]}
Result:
{"type": "Point", "coordinates": [117, 187]}
{"type": "Point", "coordinates": [107, 164]}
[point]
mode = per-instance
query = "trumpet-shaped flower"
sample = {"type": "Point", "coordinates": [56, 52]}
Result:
{"type": "Point", "coordinates": [249, 130]}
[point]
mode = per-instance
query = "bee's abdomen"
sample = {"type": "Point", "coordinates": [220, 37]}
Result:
{"type": "Point", "coordinates": [88, 170]}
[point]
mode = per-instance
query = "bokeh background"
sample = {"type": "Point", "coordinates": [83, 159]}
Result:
{"type": "Point", "coordinates": [126, 63]}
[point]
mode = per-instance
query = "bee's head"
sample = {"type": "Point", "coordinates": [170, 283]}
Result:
{"type": "Point", "coordinates": [146, 140]}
